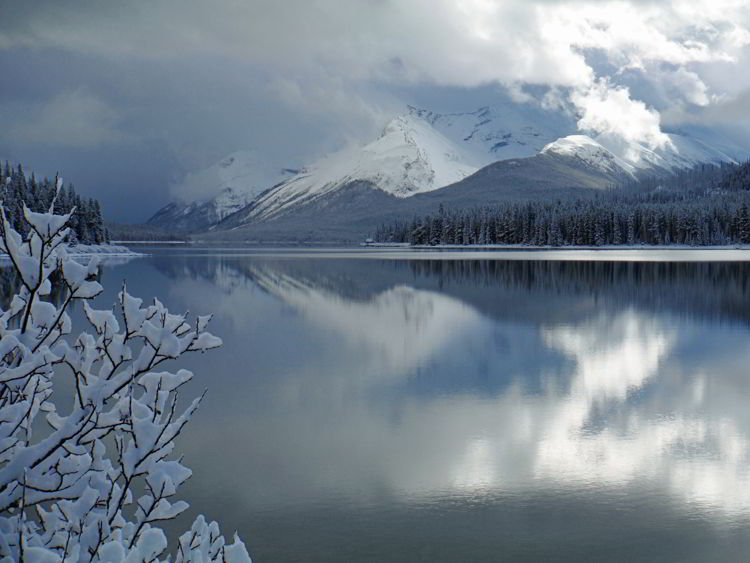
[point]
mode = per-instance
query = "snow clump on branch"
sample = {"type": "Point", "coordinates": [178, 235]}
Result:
{"type": "Point", "coordinates": [96, 482]}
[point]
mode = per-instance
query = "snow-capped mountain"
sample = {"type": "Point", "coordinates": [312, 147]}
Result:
{"type": "Point", "coordinates": [409, 157]}
{"type": "Point", "coordinates": [421, 151]}
{"type": "Point", "coordinates": [199, 215]}
{"type": "Point", "coordinates": [613, 155]}
{"type": "Point", "coordinates": [511, 130]}
{"type": "Point", "coordinates": [211, 194]}
{"type": "Point", "coordinates": [246, 173]}
{"type": "Point", "coordinates": [683, 151]}
{"type": "Point", "coordinates": [590, 153]}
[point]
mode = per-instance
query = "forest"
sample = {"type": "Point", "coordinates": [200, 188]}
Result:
{"type": "Point", "coordinates": [705, 206]}
{"type": "Point", "coordinates": [16, 188]}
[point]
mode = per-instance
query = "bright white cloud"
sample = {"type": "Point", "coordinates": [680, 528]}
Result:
{"type": "Point", "coordinates": [610, 111]}
{"type": "Point", "coordinates": [689, 85]}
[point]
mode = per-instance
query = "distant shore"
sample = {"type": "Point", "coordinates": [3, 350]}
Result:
{"type": "Point", "coordinates": [151, 242]}
{"type": "Point", "coordinates": [534, 247]}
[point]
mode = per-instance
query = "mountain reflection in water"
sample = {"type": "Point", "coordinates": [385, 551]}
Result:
{"type": "Point", "coordinates": [414, 410]}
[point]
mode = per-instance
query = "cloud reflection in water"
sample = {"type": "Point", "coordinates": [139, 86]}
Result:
{"type": "Point", "coordinates": [421, 392]}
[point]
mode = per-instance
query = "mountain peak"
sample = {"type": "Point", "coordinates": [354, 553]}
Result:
{"type": "Point", "coordinates": [420, 151]}
{"type": "Point", "coordinates": [402, 123]}
{"type": "Point", "coordinates": [409, 157]}
{"type": "Point", "coordinates": [590, 152]}
{"type": "Point", "coordinates": [571, 143]}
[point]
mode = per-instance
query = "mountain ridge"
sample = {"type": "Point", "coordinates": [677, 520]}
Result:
{"type": "Point", "coordinates": [422, 152]}
{"type": "Point", "coordinates": [347, 215]}
{"type": "Point", "coordinates": [226, 186]}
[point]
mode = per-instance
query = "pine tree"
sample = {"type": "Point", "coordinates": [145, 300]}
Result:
{"type": "Point", "coordinates": [743, 224]}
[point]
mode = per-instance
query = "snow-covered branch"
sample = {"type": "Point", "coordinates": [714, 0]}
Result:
{"type": "Point", "coordinates": [68, 488]}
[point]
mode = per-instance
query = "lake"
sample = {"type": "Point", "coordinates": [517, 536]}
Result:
{"type": "Point", "coordinates": [397, 406]}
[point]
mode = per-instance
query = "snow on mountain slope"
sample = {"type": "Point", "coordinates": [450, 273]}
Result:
{"type": "Point", "coordinates": [501, 132]}
{"type": "Point", "coordinates": [245, 173]}
{"type": "Point", "coordinates": [199, 215]}
{"type": "Point", "coordinates": [678, 153]}
{"type": "Point", "coordinates": [209, 195]}
{"type": "Point", "coordinates": [409, 157]}
{"type": "Point", "coordinates": [687, 151]}
{"type": "Point", "coordinates": [589, 152]}
{"type": "Point", "coordinates": [422, 151]}
{"type": "Point", "coordinates": [715, 139]}
{"type": "Point", "coordinates": [611, 154]}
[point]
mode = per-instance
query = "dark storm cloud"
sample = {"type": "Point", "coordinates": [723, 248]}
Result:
{"type": "Point", "coordinates": [167, 87]}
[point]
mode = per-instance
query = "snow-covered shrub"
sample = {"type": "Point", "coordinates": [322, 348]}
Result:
{"type": "Point", "coordinates": [94, 482]}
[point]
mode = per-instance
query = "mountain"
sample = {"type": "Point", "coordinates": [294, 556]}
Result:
{"type": "Point", "coordinates": [199, 215]}
{"type": "Point", "coordinates": [501, 132]}
{"type": "Point", "coordinates": [572, 167]}
{"type": "Point", "coordinates": [225, 187]}
{"type": "Point", "coordinates": [348, 215]}
{"type": "Point", "coordinates": [420, 151]}
{"type": "Point", "coordinates": [423, 159]}
{"type": "Point", "coordinates": [409, 157]}
{"type": "Point", "coordinates": [613, 155]}
{"type": "Point", "coordinates": [590, 153]}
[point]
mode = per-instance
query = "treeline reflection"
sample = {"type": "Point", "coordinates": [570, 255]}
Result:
{"type": "Point", "coordinates": [715, 290]}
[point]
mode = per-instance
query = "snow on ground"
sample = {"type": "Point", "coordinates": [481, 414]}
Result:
{"type": "Point", "coordinates": [104, 250]}
{"type": "Point", "coordinates": [100, 249]}
{"type": "Point", "coordinates": [497, 252]}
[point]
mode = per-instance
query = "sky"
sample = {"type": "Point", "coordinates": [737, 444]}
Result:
{"type": "Point", "coordinates": [125, 99]}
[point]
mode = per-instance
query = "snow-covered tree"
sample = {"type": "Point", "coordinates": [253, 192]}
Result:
{"type": "Point", "coordinates": [91, 481]}
{"type": "Point", "coordinates": [87, 225]}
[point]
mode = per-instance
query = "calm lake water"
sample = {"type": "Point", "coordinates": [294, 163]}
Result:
{"type": "Point", "coordinates": [382, 408]}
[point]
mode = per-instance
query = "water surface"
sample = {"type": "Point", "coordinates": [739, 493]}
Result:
{"type": "Point", "coordinates": [474, 407]}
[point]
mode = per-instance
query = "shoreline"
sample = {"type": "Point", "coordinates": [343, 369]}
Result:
{"type": "Point", "coordinates": [153, 242]}
{"type": "Point", "coordinates": [100, 250]}
{"type": "Point", "coordinates": [87, 250]}
{"type": "Point", "coordinates": [317, 245]}
{"type": "Point", "coordinates": [533, 248]}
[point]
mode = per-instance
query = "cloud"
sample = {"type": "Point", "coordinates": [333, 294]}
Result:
{"type": "Point", "coordinates": [686, 85]}
{"type": "Point", "coordinates": [732, 109]}
{"type": "Point", "coordinates": [73, 118]}
{"type": "Point", "coordinates": [610, 111]}
{"type": "Point", "coordinates": [454, 43]}
{"type": "Point", "coordinates": [302, 78]}
{"type": "Point", "coordinates": [727, 111]}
